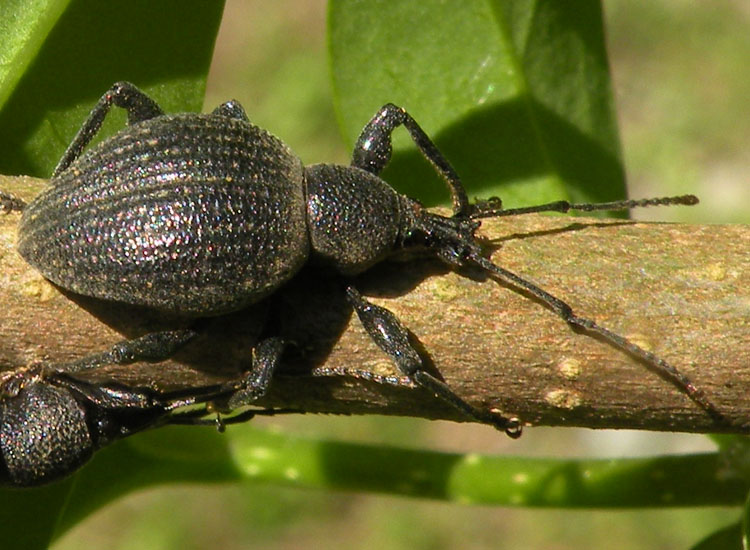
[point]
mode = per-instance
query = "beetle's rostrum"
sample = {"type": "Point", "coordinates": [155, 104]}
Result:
{"type": "Point", "coordinates": [204, 214]}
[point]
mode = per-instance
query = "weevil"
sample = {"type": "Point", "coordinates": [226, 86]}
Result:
{"type": "Point", "coordinates": [51, 422]}
{"type": "Point", "coordinates": [204, 214]}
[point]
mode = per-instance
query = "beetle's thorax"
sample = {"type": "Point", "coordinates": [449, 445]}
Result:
{"type": "Point", "coordinates": [354, 218]}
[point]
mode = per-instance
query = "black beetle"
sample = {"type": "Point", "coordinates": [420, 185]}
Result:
{"type": "Point", "coordinates": [203, 214]}
{"type": "Point", "coordinates": [51, 422]}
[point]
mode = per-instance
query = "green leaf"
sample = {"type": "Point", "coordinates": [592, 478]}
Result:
{"type": "Point", "coordinates": [24, 26]}
{"type": "Point", "coordinates": [30, 516]}
{"type": "Point", "coordinates": [517, 95]}
{"type": "Point", "coordinates": [735, 453]}
{"type": "Point", "coordinates": [63, 58]}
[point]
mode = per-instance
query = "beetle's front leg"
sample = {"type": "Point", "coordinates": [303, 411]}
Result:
{"type": "Point", "coordinates": [122, 94]}
{"type": "Point", "coordinates": [393, 338]}
{"type": "Point", "coordinates": [373, 150]}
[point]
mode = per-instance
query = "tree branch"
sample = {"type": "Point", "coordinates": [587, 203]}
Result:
{"type": "Point", "coordinates": [680, 291]}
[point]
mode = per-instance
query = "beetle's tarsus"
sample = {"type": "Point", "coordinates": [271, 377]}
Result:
{"type": "Point", "coordinates": [254, 385]}
{"type": "Point", "coordinates": [10, 203]}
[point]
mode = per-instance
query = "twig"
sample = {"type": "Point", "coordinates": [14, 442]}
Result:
{"type": "Point", "coordinates": [680, 291]}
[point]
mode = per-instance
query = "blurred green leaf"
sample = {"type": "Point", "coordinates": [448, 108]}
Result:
{"type": "Point", "coordinates": [34, 517]}
{"type": "Point", "coordinates": [30, 516]}
{"type": "Point", "coordinates": [190, 454]}
{"type": "Point", "coordinates": [517, 95]}
{"type": "Point", "coordinates": [169, 455]}
{"type": "Point", "coordinates": [735, 454]}
{"type": "Point", "coordinates": [67, 63]}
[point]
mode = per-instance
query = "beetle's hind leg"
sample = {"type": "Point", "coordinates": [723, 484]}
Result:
{"type": "Point", "coordinates": [122, 94]}
{"type": "Point", "coordinates": [155, 407]}
{"type": "Point", "coordinates": [240, 392]}
{"type": "Point", "coordinates": [152, 347]}
{"type": "Point", "coordinates": [393, 338]}
{"type": "Point", "coordinates": [159, 346]}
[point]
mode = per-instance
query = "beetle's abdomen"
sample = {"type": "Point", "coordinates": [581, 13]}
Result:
{"type": "Point", "coordinates": [196, 214]}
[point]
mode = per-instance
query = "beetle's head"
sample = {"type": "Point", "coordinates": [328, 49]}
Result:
{"type": "Point", "coordinates": [451, 238]}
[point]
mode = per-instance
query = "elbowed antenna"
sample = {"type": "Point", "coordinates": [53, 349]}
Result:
{"type": "Point", "coordinates": [492, 208]}
{"type": "Point", "coordinates": [565, 311]}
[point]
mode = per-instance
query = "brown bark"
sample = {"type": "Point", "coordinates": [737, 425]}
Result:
{"type": "Point", "coordinates": [680, 291]}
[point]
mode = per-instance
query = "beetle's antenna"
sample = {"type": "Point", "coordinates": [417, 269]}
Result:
{"type": "Point", "coordinates": [565, 311]}
{"type": "Point", "coordinates": [492, 208]}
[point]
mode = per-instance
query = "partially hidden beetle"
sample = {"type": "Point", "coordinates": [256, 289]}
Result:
{"type": "Point", "coordinates": [51, 422]}
{"type": "Point", "coordinates": [205, 214]}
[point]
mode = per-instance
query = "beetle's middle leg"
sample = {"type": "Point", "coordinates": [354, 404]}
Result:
{"type": "Point", "coordinates": [393, 338]}
{"type": "Point", "coordinates": [254, 384]}
{"type": "Point", "coordinates": [152, 347]}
